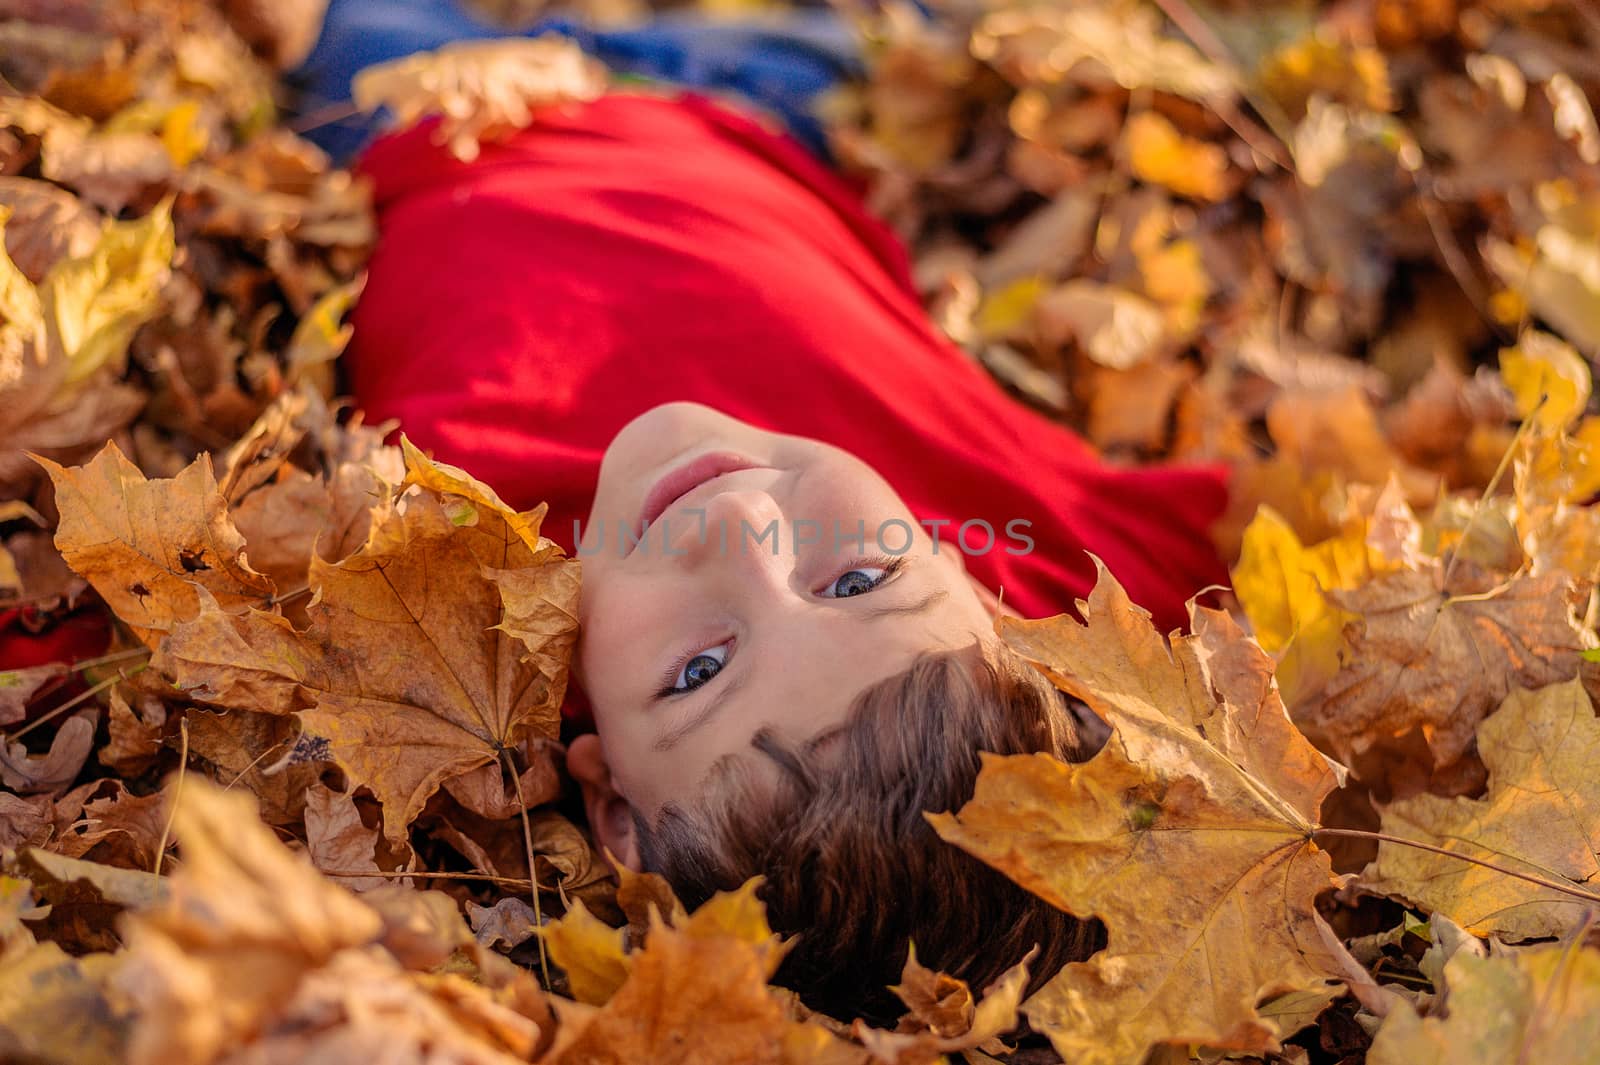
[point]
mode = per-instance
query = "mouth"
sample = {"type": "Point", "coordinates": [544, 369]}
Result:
{"type": "Point", "coordinates": [679, 482]}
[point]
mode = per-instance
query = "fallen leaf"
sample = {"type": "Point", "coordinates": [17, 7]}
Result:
{"type": "Point", "coordinates": [338, 840]}
{"type": "Point", "coordinates": [443, 641]}
{"type": "Point", "coordinates": [1116, 328]}
{"type": "Point", "coordinates": [1540, 1004]}
{"type": "Point", "coordinates": [1548, 380]}
{"type": "Point", "coordinates": [46, 224]}
{"type": "Point", "coordinates": [1540, 815]}
{"type": "Point", "coordinates": [18, 686]}
{"type": "Point", "coordinates": [53, 771]}
{"type": "Point", "coordinates": [510, 921]}
{"type": "Point", "coordinates": [1424, 655]}
{"type": "Point", "coordinates": [151, 547]}
{"type": "Point", "coordinates": [1187, 834]}
{"type": "Point", "coordinates": [1159, 154]}
{"type": "Point", "coordinates": [483, 89]}
{"type": "Point", "coordinates": [590, 952]}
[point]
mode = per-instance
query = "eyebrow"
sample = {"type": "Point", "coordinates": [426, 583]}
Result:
{"type": "Point", "coordinates": [713, 706]}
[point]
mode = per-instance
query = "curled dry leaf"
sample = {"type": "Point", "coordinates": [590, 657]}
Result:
{"type": "Point", "coordinates": [52, 772]}
{"type": "Point", "coordinates": [1540, 747]}
{"type": "Point", "coordinates": [46, 224]}
{"type": "Point", "coordinates": [945, 1006]}
{"type": "Point", "coordinates": [482, 89]}
{"type": "Point", "coordinates": [441, 642]}
{"type": "Point", "coordinates": [510, 921]}
{"type": "Point", "coordinates": [1188, 834]}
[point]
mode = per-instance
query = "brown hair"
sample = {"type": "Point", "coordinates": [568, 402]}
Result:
{"type": "Point", "coordinates": [852, 867]}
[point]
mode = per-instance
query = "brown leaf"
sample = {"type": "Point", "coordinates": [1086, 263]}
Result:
{"type": "Point", "coordinates": [254, 958]}
{"type": "Point", "coordinates": [123, 829]}
{"type": "Point", "coordinates": [441, 642]}
{"type": "Point", "coordinates": [695, 997]}
{"type": "Point", "coordinates": [136, 736]}
{"type": "Point", "coordinates": [151, 547]}
{"type": "Point", "coordinates": [18, 686]}
{"type": "Point", "coordinates": [338, 840]}
{"type": "Point", "coordinates": [244, 922]}
{"type": "Point", "coordinates": [1422, 655]}
{"type": "Point", "coordinates": [53, 771]}
{"type": "Point", "coordinates": [259, 752]}
{"type": "Point", "coordinates": [23, 821]}
{"type": "Point", "coordinates": [510, 921]}
{"type": "Point", "coordinates": [47, 224]}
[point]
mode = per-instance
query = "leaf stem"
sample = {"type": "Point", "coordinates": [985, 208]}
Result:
{"type": "Point", "coordinates": [533, 876]}
{"type": "Point", "coordinates": [1532, 878]}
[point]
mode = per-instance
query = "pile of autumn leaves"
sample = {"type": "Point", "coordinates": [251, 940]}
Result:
{"type": "Point", "coordinates": [367, 650]}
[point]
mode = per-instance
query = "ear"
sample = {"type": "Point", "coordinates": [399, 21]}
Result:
{"type": "Point", "coordinates": [610, 816]}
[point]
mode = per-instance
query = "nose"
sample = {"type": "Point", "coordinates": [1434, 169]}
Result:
{"type": "Point", "coordinates": [742, 528]}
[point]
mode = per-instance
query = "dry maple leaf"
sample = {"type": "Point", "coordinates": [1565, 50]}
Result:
{"type": "Point", "coordinates": [255, 958]}
{"type": "Point", "coordinates": [483, 89]}
{"type": "Point", "coordinates": [441, 642]}
{"type": "Point", "coordinates": [942, 1007]}
{"type": "Point", "coordinates": [696, 993]}
{"type": "Point", "coordinates": [1188, 834]}
{"type": "Point", "coordinates": [1536, 1005]}
{"type": "Point", "coordinates": [1423, 655]}
{"type": "Point", "coordinates": [1541, 815]}
{"type": "Point", "coordinates": [150, 547]}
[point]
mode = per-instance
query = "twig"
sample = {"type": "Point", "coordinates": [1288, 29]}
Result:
{"type": "Point", "coordinates": [106, 660]}
{"type": "Point", "coordinates": [1532, 878]}
{"type": "Point", "coordinates": [72, 702]}
{"type": "Point", "coordinates": [177, 793]}
{"type": "Point", "coordinates": [400, 874]}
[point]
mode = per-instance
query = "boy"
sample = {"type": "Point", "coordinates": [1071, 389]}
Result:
{"type": "Point", "coordinates": [788, 661]}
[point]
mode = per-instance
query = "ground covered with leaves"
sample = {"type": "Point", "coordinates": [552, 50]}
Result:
{"type": "Point", "coordinates": [284, 784]}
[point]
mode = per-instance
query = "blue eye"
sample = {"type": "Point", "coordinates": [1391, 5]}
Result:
{"type": "Point", "coordinates": [856, 581]}
{"type": "Point", "coordinates": [700, 669]}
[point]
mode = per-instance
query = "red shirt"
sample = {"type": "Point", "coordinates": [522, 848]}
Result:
{"type": "Point", "coordinates": [522, 308]}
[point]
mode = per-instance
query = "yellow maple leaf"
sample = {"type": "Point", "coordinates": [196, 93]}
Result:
{"type": "Point", "coordinates": [1188, 835]}
{"type": "Point", "coordinates": [1537, 1005]}
{"type": "Point", "coordinates": [1541, 815]}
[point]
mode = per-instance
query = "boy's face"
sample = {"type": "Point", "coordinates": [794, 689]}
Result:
{"type": "Point", "coordinates": [747, 604]}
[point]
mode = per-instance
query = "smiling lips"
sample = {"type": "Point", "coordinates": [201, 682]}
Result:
{"type": "Point", "coordinates": [679, 482]}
